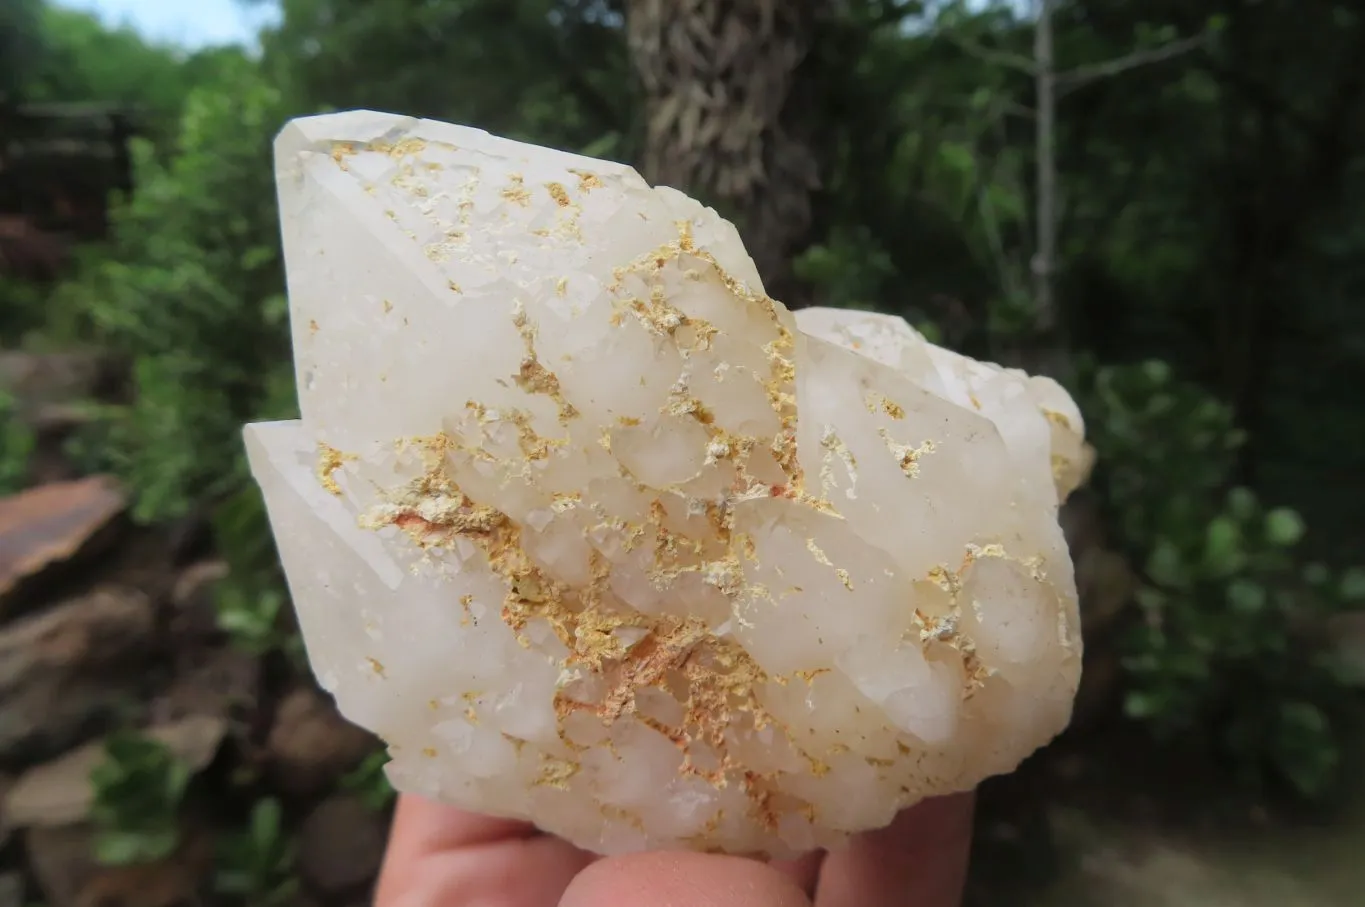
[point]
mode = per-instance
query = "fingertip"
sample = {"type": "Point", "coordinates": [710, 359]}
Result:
{"type": "Point", "coordinates": [682, 880]}
{"type": "Point", "coordinates": [804, 870]}
{"type": "Point", "coordinates": [920, 858]}
{"type": "Point", "coordinates": [429, 827]}
{"type": "Point", "coordinates": [519, 872]}
{"type": "Point", "coordinates": [431, 844]}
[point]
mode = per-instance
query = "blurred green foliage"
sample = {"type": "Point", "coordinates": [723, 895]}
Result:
{"type": "Point", "coordinates": [1230, 602]}
{"type": "Point", "coordinates": [16, 446]}
{"type": "Point", "coordinates": [252, 618]}
{"type": "Point", "coordinates": [190, 291]}
{"type": "Point", "coordinates": [138, 789]}
{"type": "Point", "coordinates": [256, 865]}
{"type": "Point", "coordinates": [369, 782]}
{"type": "Point", "coordinates": [1209, 283]}
{"type": "Point", "coordinates": [82, 59]}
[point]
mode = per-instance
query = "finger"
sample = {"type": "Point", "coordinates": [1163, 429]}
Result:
{"type": "Point", "coordinates": [440, 855]}
{"type": "Point", "coordinates": [421, 826]}
{"type": "Point", "coordinates": [919, 860]}
{"type": "Point", "coordinates": [519, 872]}
{"type": "Point", "coordinates": [804, 870]}
{"type": "Point", "coordinates": [682, 880]}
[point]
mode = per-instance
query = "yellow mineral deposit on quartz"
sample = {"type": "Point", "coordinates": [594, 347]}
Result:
{"type": "Point", "coordinates": [594, 533]}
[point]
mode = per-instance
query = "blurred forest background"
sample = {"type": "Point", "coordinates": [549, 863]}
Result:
{"type": "Point", "coordinates": [1160, 203]}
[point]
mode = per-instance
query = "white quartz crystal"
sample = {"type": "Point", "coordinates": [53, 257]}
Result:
{"type": "Point", "coordinates": [595, 534]}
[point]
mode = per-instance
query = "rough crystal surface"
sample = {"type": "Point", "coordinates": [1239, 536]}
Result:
{"type": "Point", "coordinates": [595, 534]}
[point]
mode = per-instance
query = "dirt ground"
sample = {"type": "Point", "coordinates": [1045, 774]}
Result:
{"type": "Point", "coordinates": [1101, 822]}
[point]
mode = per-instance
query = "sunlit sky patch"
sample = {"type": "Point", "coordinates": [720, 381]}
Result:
{"type": "Point", "coordinates": [197, 23]}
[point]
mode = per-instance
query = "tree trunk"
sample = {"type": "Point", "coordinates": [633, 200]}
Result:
{"type": "Point", "coordinates": [722, 85]}
{"type": "Point", "coordinates": [1045, 255]}
{"type": "Point", "coordinates": [1046, 351]}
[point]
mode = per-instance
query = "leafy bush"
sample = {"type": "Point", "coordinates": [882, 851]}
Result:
{"type": "Point", "coordinates": [1229, 606]}
{"type": "Point", "coordinates": [138, 791]}
{"type": "Point", "coordinates": [849, 271]}
{"type": "Point", "coordinates": [190, 290]}
{"type": "Point", "coordinates": [256, 864]}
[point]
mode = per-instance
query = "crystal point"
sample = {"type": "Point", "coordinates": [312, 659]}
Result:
{"type": "Point", "coordinates": [595, 534]}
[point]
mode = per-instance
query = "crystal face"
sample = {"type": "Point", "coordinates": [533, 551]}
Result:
{"type": "Point", "coordinates": [595, 534]}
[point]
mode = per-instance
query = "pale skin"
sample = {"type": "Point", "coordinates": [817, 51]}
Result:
{"type": "Point", "coordinates": [439, 856]}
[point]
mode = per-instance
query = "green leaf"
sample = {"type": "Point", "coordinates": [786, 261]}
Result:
{"type": "Point", "coordinates": [1141, 705]}
{"type": "Point", "coordinates": [266, 821]}
{"type": "Point", "coordinates": [1353, 585]}
{"type": "Point", "coordinates": [370, 782]}
{"type": "Point", "coordinates": [1222, 546]}
{"type": "Point", "coordinates": [930, 330]}
{"type": "Point", "coordinates": [1008, 206]}
{"type": "Point", "coordinates": [138, 789]}
{"type": "Point", "coordinates": [1242, 503]}
{"type": "Point", "coordinates": [258, 256]}
{"type": "Point", "coordinates": [275, 311]}
{"type": "Point", "coordinates": [124, 848]}
{"type": "Point", "coordinates": [1156, 371]}
{"type": "Point", "coordinates": [118, 848]}
{"type": "Point", "coordinates": [603, 147]}
{"type": "Point", "coordinates": [1283, 527]}
{"type": "Point", "coordinates": [1165, 566]}
{"type": "Point", "coordinates": [1304, 747]}
{"type": "Point", "coordinates": [1317, 574]}
{"type": "Point", "coordinates": [1160, 404]}
{"type": "Point", "coordinates": [1246, 597]}
{"type": "Point", "coordinates": [1150, 599]}
{"type": "Point", "coordinates": [958, 158]}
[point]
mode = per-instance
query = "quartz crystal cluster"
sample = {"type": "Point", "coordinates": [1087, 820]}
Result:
{"type": "Point", "coordinates": [594, 533]}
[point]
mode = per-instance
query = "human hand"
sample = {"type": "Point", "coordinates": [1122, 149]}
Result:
{"type": "Point", "coordinates": [439, 856]}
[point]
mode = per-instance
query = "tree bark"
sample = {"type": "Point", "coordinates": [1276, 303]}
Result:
{"type": "Point", "coordinates": [1044, 263]}
{"type": "Point", "coordinates": [725, 119]}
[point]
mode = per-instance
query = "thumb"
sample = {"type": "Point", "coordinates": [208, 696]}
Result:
{"type": "Point", "coordinates": [682, 880]}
